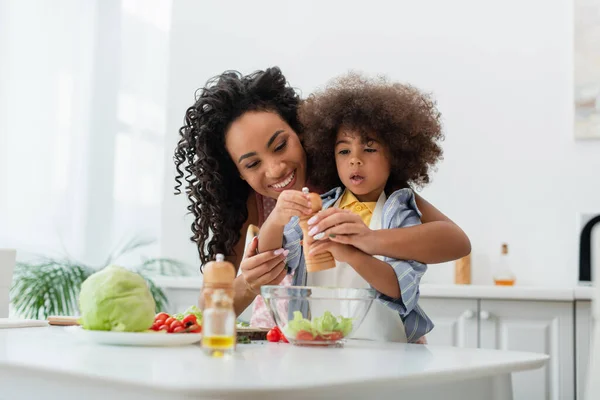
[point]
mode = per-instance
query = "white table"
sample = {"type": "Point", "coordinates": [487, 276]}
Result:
{"type": "Point", "coordinates": [48, 363]}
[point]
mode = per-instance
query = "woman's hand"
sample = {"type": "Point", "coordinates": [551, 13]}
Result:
{"type": "Point", "coordinates": [290, 203]}
{"type": "Point", "coordinates": [266, 268]}
{"type": "Point", "coordinates": [341, 226]}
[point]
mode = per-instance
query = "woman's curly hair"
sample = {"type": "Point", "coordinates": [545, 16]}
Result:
{"type": "Point", "coordinates": [406, 121]}
{"type": "Point", "coordinates": [214, 187]}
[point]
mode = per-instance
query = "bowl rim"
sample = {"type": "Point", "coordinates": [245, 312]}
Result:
{"type": "Point", "coordinates": [370, 291]}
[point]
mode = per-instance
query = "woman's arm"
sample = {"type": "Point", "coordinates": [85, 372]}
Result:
{"type": "Point", "coordinates": [436, 240]}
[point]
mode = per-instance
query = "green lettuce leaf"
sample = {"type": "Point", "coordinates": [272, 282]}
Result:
{"type": "Point", "coordinates": [325, 324]}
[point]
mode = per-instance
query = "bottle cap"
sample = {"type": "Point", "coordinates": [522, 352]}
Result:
{"type": "Point", "coordinates": [219, 272]}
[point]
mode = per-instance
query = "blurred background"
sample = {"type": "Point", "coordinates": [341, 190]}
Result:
{"type": "Point", "coordinates": [92, 94]}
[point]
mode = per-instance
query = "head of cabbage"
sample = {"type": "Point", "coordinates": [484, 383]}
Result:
{"type": "Point", "coordinates": [116, 299]}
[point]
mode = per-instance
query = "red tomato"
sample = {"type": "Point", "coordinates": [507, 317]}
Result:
{"type": "Point", "coordinates": [189, 319]}
{"type": "Point", "coordinates": [179, 329]}
{"type": "Point", "coordinates": [164, 328]}
{"type": "Point", "coordinates": [333, 336]}
{"type": "Point", "coordinates": [156, 325]}
{"type": "Point", "coordinates": [161, 316]}
{"type": "Point", "coordinates": [304, 335]}
{"type": "Point", "coordinates": [176, 324]}
{"type": "Point", "coordinates": [169, 321]}
{"type": "Point", "coordinates": [273, 335]}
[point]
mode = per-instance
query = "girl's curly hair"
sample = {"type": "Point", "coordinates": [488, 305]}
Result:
{"type": "Point", "coordinates": [214, 187]}
{"type": "Point", "coordinates": [405, 119]}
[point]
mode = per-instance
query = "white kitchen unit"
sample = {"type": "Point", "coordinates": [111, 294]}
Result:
{"type": "Point", "coordinates": [525, 325]}
{"type": "Point", "coordinates": [583, 344]}
{"type": "Point", "coordinates": [456, 322]}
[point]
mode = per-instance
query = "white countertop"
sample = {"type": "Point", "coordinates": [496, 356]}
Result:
{"type": "Point", "coordinates": [518, 292]}
{"type": "Point", "coordinates": [51, 354]}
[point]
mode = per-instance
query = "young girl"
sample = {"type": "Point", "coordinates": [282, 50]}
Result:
{"type": "Point", "coordinates": [371, 140]}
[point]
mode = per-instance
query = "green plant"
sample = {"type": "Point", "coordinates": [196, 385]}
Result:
{"type": "Point", "coordinates": [50, 286]}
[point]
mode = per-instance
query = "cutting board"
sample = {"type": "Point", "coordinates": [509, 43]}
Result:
{"type": "Point", "coordinates": [252, 333]}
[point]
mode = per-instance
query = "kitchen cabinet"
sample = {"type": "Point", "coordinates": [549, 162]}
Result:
{"type": "Point", "coordinates": [537, 326]}
{"type": "Point", "coordinates": [455, 321]}
{"type": "Point", "coordinates": [532, 326]}
{"type": "Point", "coordinates": [583, 344]}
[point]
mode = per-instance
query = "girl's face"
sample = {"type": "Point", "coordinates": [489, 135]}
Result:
{"type": "Point", "coordinates": [363, 167]}
{"type": "Point", "coordinates": [267, 152]}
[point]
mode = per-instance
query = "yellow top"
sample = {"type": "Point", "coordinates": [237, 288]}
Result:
{"type": "Point", "coordinates": [363, 210]}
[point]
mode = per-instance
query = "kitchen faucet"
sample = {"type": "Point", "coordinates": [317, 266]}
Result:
{"type": "Point", "coordinates": [585, 250]}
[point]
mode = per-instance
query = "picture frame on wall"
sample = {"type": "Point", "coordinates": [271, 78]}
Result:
{"type": "Point", "coordinates": [587, 69]}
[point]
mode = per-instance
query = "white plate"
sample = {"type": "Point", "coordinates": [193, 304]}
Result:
{"type": "Point", "coordinates": [134, 338]}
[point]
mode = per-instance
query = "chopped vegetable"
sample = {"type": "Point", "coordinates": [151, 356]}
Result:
{"type": "Point", "coordinates": [326, 327]}
{"type": "Point", "coordinates": [189, 321]}
{"type": "Point", "coordinates": [274, 335]}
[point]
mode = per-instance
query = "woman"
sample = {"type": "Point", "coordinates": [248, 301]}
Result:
{"type": "Point", "coordinates": [240, 148]}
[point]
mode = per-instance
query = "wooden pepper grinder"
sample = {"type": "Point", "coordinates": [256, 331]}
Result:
{"type": "Point", "coordinates": [462, 270]}
{"type": "Point", "coordinates": [218, 316]}
{"type": "Point", "coordinates": [321, 261]}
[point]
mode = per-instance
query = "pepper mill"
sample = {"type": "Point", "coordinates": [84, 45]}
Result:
{"type": "Point", "coordinates": [218, 316]}
{"type": "Point", "coordinates": [322, 261]}
{"type": "Point", "coordinates": [462, 271]}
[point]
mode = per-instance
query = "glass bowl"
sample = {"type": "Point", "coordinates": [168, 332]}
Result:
{"type": "Point", "coordinates": [317, 316]}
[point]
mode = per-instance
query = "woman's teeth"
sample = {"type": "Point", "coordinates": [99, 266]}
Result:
{"type": "Point", "coordinates": [284, 183]}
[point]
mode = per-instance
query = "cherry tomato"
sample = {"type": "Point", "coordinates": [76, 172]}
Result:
{"type": "Point", "coordinates": [176, 324]}
{"type": "Point", "coordinates": [194, 328]}
{"type": "Point", "coordinates": [304, 335]}
{"type": "Point", "coordinates": [273, 335]}
{"type": "Point", "coordinates": [169, 321]}
{"type": "Point", "coordinates": [161, 316]}
{"type": "Point", "coordinates": [164, 328]}
{"type": "Point", "coordinates": [179, 329]}
{"type": "Point", "coordinates": [156, 325]}
{"type": "Point", "coordinates": [333, 336]}
{"type": "Point", "coordinates": [189, 319]}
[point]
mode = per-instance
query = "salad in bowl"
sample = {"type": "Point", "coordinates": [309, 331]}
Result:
{"type": "Point", "coordinates": [317, 316]}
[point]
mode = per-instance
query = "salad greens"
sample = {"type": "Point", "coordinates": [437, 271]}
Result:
{"type": "Point", "coordinates": [191, 310]}
{"type": "Point", "coordinates": [319, 326]}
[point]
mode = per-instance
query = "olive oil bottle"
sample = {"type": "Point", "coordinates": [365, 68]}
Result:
{"type": "Point", "coordinates": [218, 318]}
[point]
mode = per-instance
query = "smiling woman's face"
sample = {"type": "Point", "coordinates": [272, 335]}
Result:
{"type": "Point", "coordinates": [267, 153]}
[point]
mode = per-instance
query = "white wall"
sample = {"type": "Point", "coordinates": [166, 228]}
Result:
{"type": "Point", "coordinates": [501, 71]}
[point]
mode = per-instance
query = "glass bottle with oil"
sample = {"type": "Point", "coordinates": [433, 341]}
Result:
{"type": "Point", "coordinates": [503, 275]}
{"type": "Point", "coordinates": [218, 317]}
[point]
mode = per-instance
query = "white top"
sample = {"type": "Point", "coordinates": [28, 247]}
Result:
{"type": "Point", "coordinates": [51, 353]}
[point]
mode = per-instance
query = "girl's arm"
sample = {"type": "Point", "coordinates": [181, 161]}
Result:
{"type": "Point", "coordinates": [436, 240]}
{"type": "Point", "coordinates": [267, 268]}
{"type": "Point", "coordinates": [290, 203]}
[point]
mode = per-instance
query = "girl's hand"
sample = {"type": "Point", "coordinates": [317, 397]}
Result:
{"type": "Point", "coordinates": [341, 226]}
{"type": "Point", "coordinates": [266, 268]}
{"type": "Point", "coordinates": [290, 203]}
{"type": "Point", "coordinates": [341, 252]}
